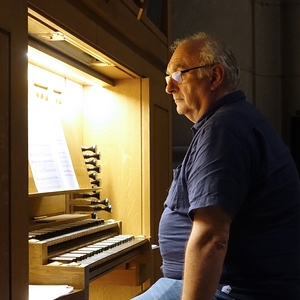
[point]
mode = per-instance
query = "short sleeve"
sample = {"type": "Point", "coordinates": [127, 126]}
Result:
{"type": "Point", "coordinates": [219, 169]}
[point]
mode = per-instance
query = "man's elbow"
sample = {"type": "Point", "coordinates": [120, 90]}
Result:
{"type": "Point", "coordinates": [220, 242]}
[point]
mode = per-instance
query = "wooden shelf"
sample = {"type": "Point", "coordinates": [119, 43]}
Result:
{"type": "Point", "coordinates": [63, 192]}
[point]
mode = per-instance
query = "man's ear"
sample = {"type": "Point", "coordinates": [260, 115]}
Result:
{"type": "Point", "coordinates": [218, 76]}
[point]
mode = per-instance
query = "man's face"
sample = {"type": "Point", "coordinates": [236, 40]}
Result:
{"type": "Point", "coordinates": [191, 96]}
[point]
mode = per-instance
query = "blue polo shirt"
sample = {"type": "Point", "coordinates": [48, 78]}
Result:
{"type": "Point", "coordinates": [238, 161]}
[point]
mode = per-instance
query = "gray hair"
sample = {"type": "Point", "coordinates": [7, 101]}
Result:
{"type": "Point", "coordinates": [213, 51]}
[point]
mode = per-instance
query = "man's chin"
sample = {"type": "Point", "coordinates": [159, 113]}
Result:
{"type": "Point", "coordinates": [179, 111]}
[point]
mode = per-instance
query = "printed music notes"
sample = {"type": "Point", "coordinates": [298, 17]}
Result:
{"type": "Point", "coordinates": [48, 152]}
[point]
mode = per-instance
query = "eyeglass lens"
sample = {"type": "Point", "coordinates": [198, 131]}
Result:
{"type": "Point", "coordinates": [175, 76]}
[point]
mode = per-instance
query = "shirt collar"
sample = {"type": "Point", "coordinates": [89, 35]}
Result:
{"type": "Point", "coordinates": [229, 98]}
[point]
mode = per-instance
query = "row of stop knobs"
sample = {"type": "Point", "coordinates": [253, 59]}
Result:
{"type": "Point", "coordinates": [91, 202]}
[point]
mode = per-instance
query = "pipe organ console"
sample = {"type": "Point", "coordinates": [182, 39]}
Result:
{"type": "Point", "coordinates": [71, 242]}
{"type": "Point", "coordinates": [78, 247]}
{"type": "Point", "coordinates": [76, 250]}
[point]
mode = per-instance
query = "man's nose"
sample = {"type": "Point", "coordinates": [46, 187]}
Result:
{"type": "Point", "coordinates": [171, 86]}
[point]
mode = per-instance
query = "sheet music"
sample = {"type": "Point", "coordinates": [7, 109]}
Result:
{"type": "Point", "coordinates": [48, 152]}
{"type": "Point", "coordinates": [48, 292]}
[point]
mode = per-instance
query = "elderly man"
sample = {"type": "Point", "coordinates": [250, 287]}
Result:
{"type": "Point", "coordinates": [231, 224]}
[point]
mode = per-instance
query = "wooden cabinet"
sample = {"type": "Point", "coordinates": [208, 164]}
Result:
{"type": "Point", "coordinates": [136, 148]}
{"type": "Point", "coordinates": [129, 117]}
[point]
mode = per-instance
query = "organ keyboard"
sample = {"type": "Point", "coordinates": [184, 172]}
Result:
{"type": "Point", "coordinates": [77, 252]}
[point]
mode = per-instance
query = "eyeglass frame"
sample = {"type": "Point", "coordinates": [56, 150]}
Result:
{"type": "Point", "coordinates": [179, 73]}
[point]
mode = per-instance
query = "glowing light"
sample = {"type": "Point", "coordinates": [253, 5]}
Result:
{"type": "Point", "coordinates": [56, 66]}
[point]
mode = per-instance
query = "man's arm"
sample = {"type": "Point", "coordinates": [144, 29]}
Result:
{"type": "Point", "coordinates": [205, 253]}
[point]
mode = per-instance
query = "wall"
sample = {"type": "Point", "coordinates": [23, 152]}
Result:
{"type": "Point", "coordinates": [290, 25]}
{"type": "Point", "coordinates": [263, 35]}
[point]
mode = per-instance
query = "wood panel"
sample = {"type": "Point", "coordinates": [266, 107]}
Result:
{"type": "Point", "coordinates": [143, 51]}
{"type": "Point", "coordinates": [161, 157]}
{"type": "Point", "coordinates": [112, 120]}
{"type": "Point", "coordinates": [4, 165]}
{"type": "Point", "coordinates": [148, 39]}
{"type": "Point", "coordinates": [123, 283]}
{"type": "Point", "coordinates": [46, 206]}
{"type": "Point", "coordinates": [13, 151]}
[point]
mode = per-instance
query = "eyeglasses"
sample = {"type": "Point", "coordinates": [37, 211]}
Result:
{"type": "Point", "coordinates": [177, 75]}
